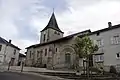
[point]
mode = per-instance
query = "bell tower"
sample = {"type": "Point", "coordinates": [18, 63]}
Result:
{"type": "Point", "coordinates": [51, 31]}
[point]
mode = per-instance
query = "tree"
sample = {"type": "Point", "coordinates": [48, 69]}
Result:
{"type": "Point", "coordinates": [84, 47]}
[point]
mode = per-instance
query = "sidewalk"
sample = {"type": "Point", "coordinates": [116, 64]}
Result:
{"type": "Point", "coordinates": [31, 69]}
{"type": "Point", "coordinates": [34, 71]}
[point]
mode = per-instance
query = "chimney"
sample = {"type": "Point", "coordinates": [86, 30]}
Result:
{"type": "Point", "coordinates": [109, 24]}
{"type": "Point", "coordinates": [10, 41]}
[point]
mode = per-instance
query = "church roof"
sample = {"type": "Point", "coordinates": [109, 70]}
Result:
{"type": "Point", "coordinates": [52, 24]}
{"type": "Point", "coordinates": [58, 40]}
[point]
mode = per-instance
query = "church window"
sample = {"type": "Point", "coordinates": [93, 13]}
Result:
{"type": "Point", "coordinates": [0, 47]}
{"type": "Point", "coordinates": [38, 53]}
{"type": "Point", "coordinates": [30, 54]}
{"type": "Point", "coordinates": [45, 52]}
{"type": "Point", "coordinates": [44, 37]}
{"type": "Point", "coordinates": [56, 49]}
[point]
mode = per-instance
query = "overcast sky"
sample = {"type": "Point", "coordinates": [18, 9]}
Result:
{"type": "Point", "coordinates": [22, 20]}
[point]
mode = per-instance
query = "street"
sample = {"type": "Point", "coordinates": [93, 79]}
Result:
{"type": "Point", "coordinates": [20, 76]}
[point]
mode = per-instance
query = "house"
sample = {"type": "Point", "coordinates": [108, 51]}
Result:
{"type": "Point", "coordinates": [8, 52]}
{"type": "Point", "coordinates": [55, 52]}
{"type": "Point", "coordinates": [108, 41]}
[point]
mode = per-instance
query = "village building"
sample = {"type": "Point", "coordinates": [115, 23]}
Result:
{"type": "Point", "coordinates": [8, 52]}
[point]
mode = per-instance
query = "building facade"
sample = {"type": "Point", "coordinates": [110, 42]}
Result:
{"type": "Point", "coordinates": [55, 51]}
{"type": "Point", "coordinates": [8, 52]}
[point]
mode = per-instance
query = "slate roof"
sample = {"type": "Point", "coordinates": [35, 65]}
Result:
{"type": "Point", "coordinates": [3, 41]}
{"type": "Point", "coordinates": [52, 24]}
{"type": "Point", "coordinates": [103, 30]}
{"type": "Point", "coordinates": [106, 29]}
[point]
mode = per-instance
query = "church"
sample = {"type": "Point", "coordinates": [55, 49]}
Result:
{"type": "Point", "coordinates": [55, 52]}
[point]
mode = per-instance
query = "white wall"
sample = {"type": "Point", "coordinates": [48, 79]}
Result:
{"type": "Point", "coordinates": [9, 52]}
{"type": "Point", "coordinates": [2, 52]}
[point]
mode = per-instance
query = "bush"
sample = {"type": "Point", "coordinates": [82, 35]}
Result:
{"type": "Point", "coordinates": [113, 69]}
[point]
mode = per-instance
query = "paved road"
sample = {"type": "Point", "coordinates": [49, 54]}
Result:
{"type": "Point", "coordinates": [20, 76]}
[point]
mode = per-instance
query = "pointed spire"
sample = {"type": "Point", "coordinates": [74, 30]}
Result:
{"type": "Point", "coordinates": [52, 23]}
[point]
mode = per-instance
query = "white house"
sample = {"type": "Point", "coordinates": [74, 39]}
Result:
{"type": "Point", "coordinates": [8, 52]}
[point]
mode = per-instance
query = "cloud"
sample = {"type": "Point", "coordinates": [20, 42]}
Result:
{"type": "Point", "coordinates": [22, 20]}
{"type": "Point", "coordinates": [58, 5]}
{"type": "Point", "coordinates": [94, 16]}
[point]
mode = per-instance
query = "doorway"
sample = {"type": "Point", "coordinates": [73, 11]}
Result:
{"type": "Point", "coordinates": [12, 61]}
{"type": "Point", "coordinates": [68, 60]}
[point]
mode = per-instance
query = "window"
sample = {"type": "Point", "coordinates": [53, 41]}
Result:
{"type": "Point", "coordinates": [99, 58]}
{"type": "Point", "coordinates": [41, 51]}
{"type": "Point", "coordinates": [118, 55]}
{"type": "Point", "coordinates": [14, 51]}
{"type": "Point", "coordinates": [98, 33]}
{"type": "Point", "coordinates": [55, 32]}
{"type": "Point", "coordinates": [45, 52]}
{"type": "Point", "coordinates": [56, 49]}
{"type": "Point", "coordinates": [115, 39]}
{"type": "Point", "coordinates": [50, 49]}
{"type": "Point", "coordinates": [100, 42]}
{"type": "Point", "coordinates": [0, 47]}
{"type": "Point", "coordinates": [58, 33]}
{"type": "Point", "coordinates": [44, 37]}
{"type": "Point", "coordinates": [30, 54]}
{"type": "Point", "coordinates": [38, 53]}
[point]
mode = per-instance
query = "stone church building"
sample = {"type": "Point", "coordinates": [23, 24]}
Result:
{"type": "Point", "coordinates": [55, 52]}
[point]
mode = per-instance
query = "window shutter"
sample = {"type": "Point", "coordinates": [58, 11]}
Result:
{"type": "Point", "coordinates": [95, 42]}
{"type": "Point", "coordinates": [112, 40]}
